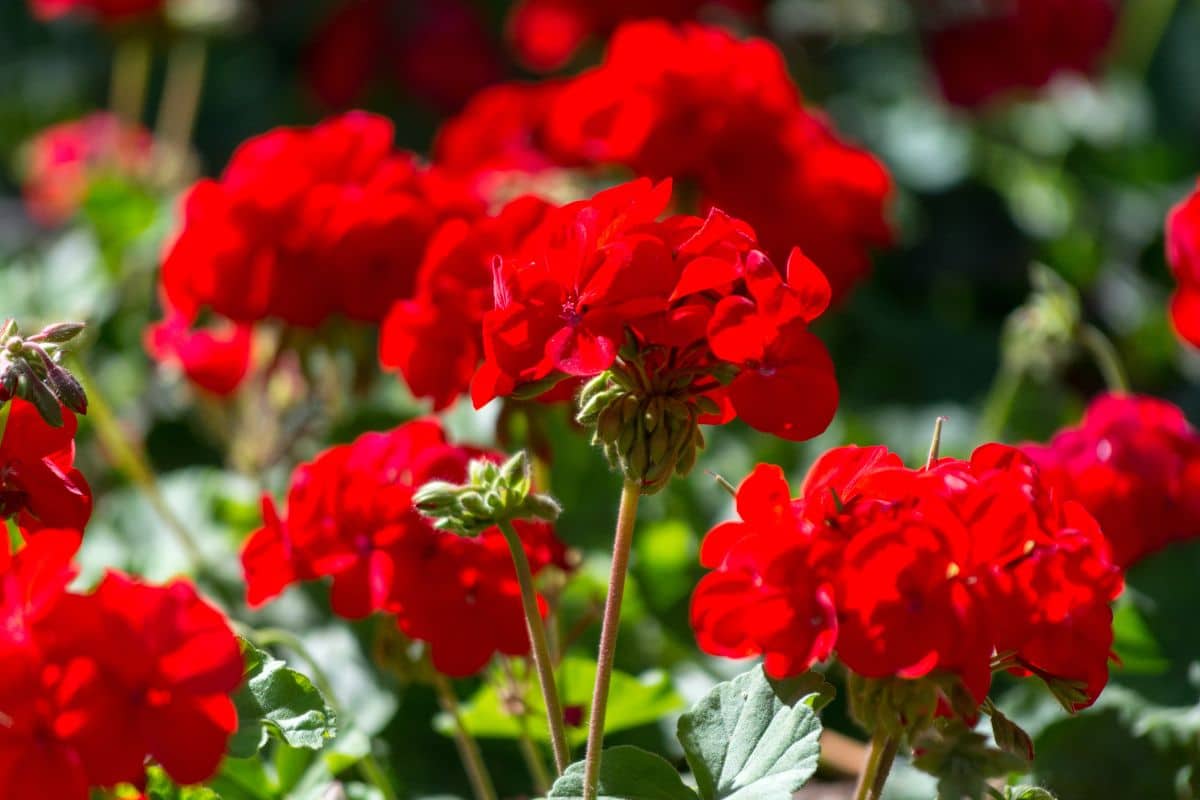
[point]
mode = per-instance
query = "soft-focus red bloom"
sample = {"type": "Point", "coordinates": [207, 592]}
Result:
{"type": "Point", "coordinates": [435, 339]}
{"type": "Point", "coordinates": [1183, 254]}
{"type": "Point", "coordinates": [1134, 463]}
{"type": "Point", "coordinates": [663, 103]}
{"type": "Point", "coordinates": [350, 517]}
{"type": "Point", "coordinates": [981, 51]}
{"type": "Point", "coordinates": [64, 159]}
{"type": "Point", "coordinates": [39, 484]}
{"type": "Point", "coordinates": [107, 11]}
{"type": "Point", "coordinates": [439, 52]}
{"type": "Point", "coordinates": [309, 223]}
{"type": "Point", "coordinates": [216, 358]}
{"type": "Point", "coordinates": [911, 573]}
{"type": "Point", "coordinates": [695, 296]}
{"type": "Point", "coordinates": [545, 34]}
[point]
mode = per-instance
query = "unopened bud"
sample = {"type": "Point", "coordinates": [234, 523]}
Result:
{"type": "Point", "coordinates": [58, 333]}
{"type": "Point", "coordinates": [436, 496]}
{"type": "Point", "coordinates": [31, 388]}
{"type": "Point", "coordinates": [68, 389]}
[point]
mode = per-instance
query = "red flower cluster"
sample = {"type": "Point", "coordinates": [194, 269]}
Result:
{"type": "Point", "coordinates": [439, 52]}
{"type": "Point", "coordinates": [64, 159]}
{"type": "Point", "coordinates": [350, 516]}
{"type": "Point", "coordinates": [695, 104]}
{"type": "Point", "coordinates": [953, 569]}
{"type": "Point", "coordinates": [1134, 463]}
{"type": "Point", "coordinates": [309, 223]}
{"type": "Point", "coordinates": [696, 296]}
{"type": "Point", "coordinates": [107, 11]}
{"type": "Point", "coordinates": [1183, 254]}
{"type": "Point", "coordinates": [216, 358]}
{"type": "Point", "coordinates": [39, 484]}
{"type": "Point", "coordinates": [982, 51]}
{"type": "Point", "coordinates": [545, 34]}
{"type": "Point", "coordinates": [90, 685]}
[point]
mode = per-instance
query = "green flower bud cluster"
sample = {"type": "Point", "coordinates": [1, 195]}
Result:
{"type": "Point", "coordinates": [494, 493]}
{"type": "Point", "coordinates": [30, 368]}
{"type": "Point", "coordinates": [897, 706]}
{"type": "Point", "coordinates": [1040, 336]}
{"type": "Point", "coordinates": [650, 435]}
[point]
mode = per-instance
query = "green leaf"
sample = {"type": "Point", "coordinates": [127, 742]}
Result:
{"type": "Point", "coordinates": [160, 787]}
{"type": "Point", "coordinates": [280, 702]}
{"type": "Point", "coordinates": [1011, 737]}
{"type": "Point", "coordinates": [811, 687]}
{"type": "Point", "coordinates": [743, 742]}
{"type": "Point", "coordinates": [1137, 650]}
{"type": "Point", "coordinates": [1027, 793]}
{"type": "Point", "coordinates": [633, 702]}
{"type": "Point", "coordinates": [626, 773]}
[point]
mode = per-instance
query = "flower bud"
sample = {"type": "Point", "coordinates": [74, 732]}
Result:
{"type": "Point", "coordinates": [58, 333]}
{"type": "Point", "coordinates": [68, 389]}
{"type": "Point", "coordinates": [31, 388]}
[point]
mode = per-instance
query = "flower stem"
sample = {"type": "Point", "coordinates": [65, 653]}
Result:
{"type": "Point", "coordinates": [180, 102]}
{"type": "Point", "coordinates": [129, 458]}
{"type": "Point", "coordinates": [622, 543]}
{"type": "Point", "coordinates": [130, 74]}
{"type": "Point", "coordinates": [935, 445]}
{"type": "Point", "coordinates": [999, 403]}
{"type": "Point", "coordinates": [533, 759]}
{"type": "Point", "coordinates": [879, 764]}
{"type": "Point", "coordinates": [539, 651]}
{"type": "Point", "coordinates": [468, 748]}
{"type": "Point", "coordinates": [1107, 360]}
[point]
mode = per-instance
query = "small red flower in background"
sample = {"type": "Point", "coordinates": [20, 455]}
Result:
{"type": "Point", "coordinates": [911, 573]}
{"type": "Point", "coordinates": [694, 295]}
{"type": "Point", "coordinates": [90, 685]}
{"type": "Point", "coordinates": [983, 51]}
{"type": "Point", "coordinates": [545, 34]}
{"type": "Point", "coordinates": [39, 485]}
{"type": "Point", "coordinates": [350, 517]}
{"type": "Point", "coordinates": [663, 104]}
{"type": "Point", "coordinates": [1134, 463]}
{"type": "Point", "coordinates": [306, 224]}
{"type": "Point", "coordinates": [1183, 254]}
{"type": "Point", "coordinates": [440, 52]}
{"type": "Point", "coordinates": [107, 11]}
{"type": "Point", "coordinates": [63, 160]}
{"type": "Point", "coordinates": [215, 358]}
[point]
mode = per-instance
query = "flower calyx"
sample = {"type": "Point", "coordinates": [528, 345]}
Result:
{"type": "Point", "coordinates": [492, 495]}
{"type": "Point", "coordinates": [31, 368]}
{"type": "Point", "coordinates": [649, 434]}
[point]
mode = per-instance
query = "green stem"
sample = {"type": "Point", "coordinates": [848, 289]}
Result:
{"type": "Point", "coordinates": [622, 544]}
{"type": "Point", "coordinates": [1107, 360]}
{"type": "Point", "coordinates": [468, 748]}
{"type": "Point", "coordinates": [880, 758]}
{"type": "Point", "coordinates": [130, 75]}
{"type": "Point", "coordinates": [999, 403]}
{"type": "Point", "coordinates": [370, 766]}
{"type": "Point", "coordinates": [129, 458]}
{"type": "Point", "coordinates": [935, 445]}
{"type": "Point", "coordinates": [180, 102]}
{"type": "Point", "coordinates": [1142, 27]}
{"type": "Point", "coordinates": [533, 759]}
{"type": "Point", "coordinates": [539, 651]}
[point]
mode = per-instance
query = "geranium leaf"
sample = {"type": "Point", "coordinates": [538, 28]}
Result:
{"type": "Point", "coordinates": [277, 701]}
{"type": "Point", "coordinates": [743, 742]}
{"type": "Point", "coordinates": [626, 773]}
{"type": "Point", "coordinates": [160, 787]}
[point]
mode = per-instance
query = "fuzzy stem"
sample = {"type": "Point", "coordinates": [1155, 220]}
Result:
{"type": "Point", "coordinates": [130, 75]}
{"type": "Point", "coordinates": [468, 748]}
{"type": "Point", "coordinates": [533, 759]}
{"type": "Point", "coordinates": [999, 403]}
{"type": "Point", "coordinates": [622, 544]}
{"type": "Point", "coordinates": [935, 445]}
{"type": "Point", "coordinates": [1107, 360]}
{"type": "Point", "coordinates": [879, 764]}
{"type": "Point", "coordinates": [180, 103]}
{"type": "Point", "coordinates": [539, 651]}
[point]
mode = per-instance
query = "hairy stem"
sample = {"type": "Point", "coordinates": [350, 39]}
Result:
{"type": "Point", "coordinates": [622, 543]}
{"type": "Point", "coordinates": [180, 103]}
{"type": "Point", "coordinates": [468, 748]}
{"type": "Point", "coordinates": [880, 758]}
{"type": "Point", "coordinates": [999, 403]}
{"type": "Point", "coordinates": [539, 651]}
{"type": "Point", "coordinates": [1107, 360]}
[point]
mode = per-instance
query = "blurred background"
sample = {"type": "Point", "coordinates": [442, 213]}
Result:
{"type": "Point", "coordinates": [1076, 175]}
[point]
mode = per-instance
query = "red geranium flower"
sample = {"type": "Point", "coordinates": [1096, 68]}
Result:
{"type": "Point", "coordinates": [982, 51]}
{"type": "Point", "coordinates": [1183, 254]}
{"type": "Point", "coordinates": [1134, 463]}
{"type": "Point", "coordinates": [350, 516]}
{"type": "Point", "coordinates": [38, 482]}
{"type": "Point", "coordinates": [307, 224]}
{"type": "Point", "coordinates": [216, 358]}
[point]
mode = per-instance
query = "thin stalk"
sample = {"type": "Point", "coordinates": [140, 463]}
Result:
{"type": "Point", "coordinates": [533, 759]}
{"type": "Point", "coordinates": [935, 445]}
{"type": "Point", "coordinates": [999, 403]}
{"type": "Point", "coordinates": [879, 764]}
{"type": "Point", "coordinates": [130, 76]}
{"type": "Point", "coordinates": [539, 651]}
{"type": "Point", "coordinates": [1107, 360]}
{"type": "Point", "coordinates": [622, 544]}
{"type": "Point", "coordinates": [468, 748]}
{"type": "Point", "coordinates": [180, 102]}
{"type": "Point", "coordinates": [129, 458]}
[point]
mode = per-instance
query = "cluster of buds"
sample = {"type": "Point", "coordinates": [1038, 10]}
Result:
{"type": "Point", "coordinates": [648, 434]}
{"type": "Point", "coordinates": [31, 369]}
{"type": "Point", "coordinates": [1041, 336]}
{"type": "Point", "coordinates": [493, 494]}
